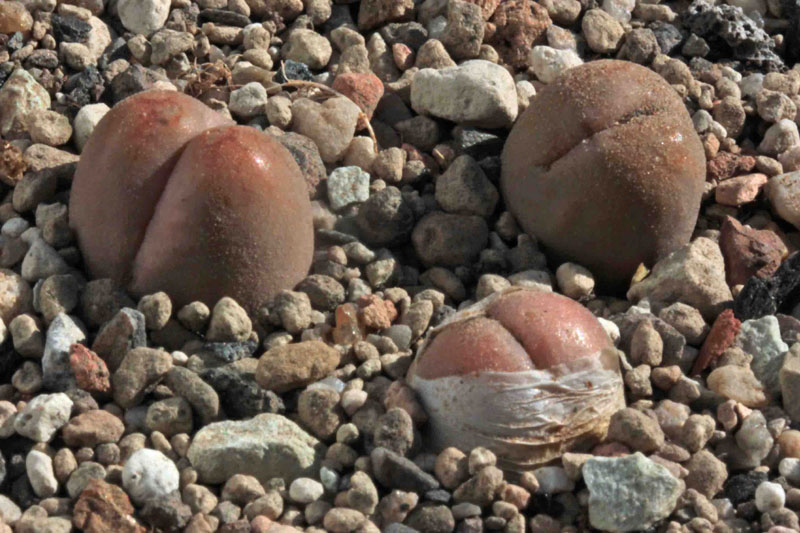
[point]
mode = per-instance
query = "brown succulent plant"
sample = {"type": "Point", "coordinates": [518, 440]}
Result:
{"type": "Point", "coordinates": [605, 169]}
{"type": "Point", "coordinates": [170, 195]}
{"type": "Point", "coordinates": [525, 373]}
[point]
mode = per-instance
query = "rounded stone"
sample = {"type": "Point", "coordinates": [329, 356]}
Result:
{"type": "Point", "coordinates": [149, 474]}
{"type": "Point", "coordinates": [605, 169]}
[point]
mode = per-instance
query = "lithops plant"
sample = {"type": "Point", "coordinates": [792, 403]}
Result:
{"type": "Point", "coordinates": [605, 169]}
{"type": "Point", "coordinates": [525, 373]}
{"type": "Point", "coordinates": [170, 195]}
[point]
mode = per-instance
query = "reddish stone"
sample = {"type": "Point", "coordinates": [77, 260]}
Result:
{"type": "Point", "coordinates": [91, 372]}
{"type": "Point", "coordinates": [364, 89]}
{"type": "Point", "coordinates": [740, 190]}
{"type": "Point", "coordinates": [518, 26]}
{"type": "Point", "coordinates": [103, 507]}
{"type": "Point", "coordinates": [726, 165]}
{"type": "Point", "coordinates": [749, 252]}
{"type": "Point", "coordinates": [348, 329]}
{"type": "Point", "coordinates": [375, 312]}
{"type": "Point", "coordinates": [719, 339]}
{"type": "Point", "coordinates": [403, 56]}
{"type": "Point", "coordinates": [611, 449]}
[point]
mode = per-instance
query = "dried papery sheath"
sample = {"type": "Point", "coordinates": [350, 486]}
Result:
{"type": "Point", "coordinates": [524, 373]}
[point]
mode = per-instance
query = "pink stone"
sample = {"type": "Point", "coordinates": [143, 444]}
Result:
{"type": "Point", "coordinates": [364, 89]}
{"type": "Point", "coordinates": [741, 189]}
{"type": "Point", "coordinates": [375, 312]}
{"type": "Point", "coordinates": [403, 56]}
{"type": "Point", "coordinates": [91, 372]}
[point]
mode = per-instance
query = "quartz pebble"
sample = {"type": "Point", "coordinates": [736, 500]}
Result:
{"type": "Point", "coordinates": [466, 95]}
{"type": "Point", "coordinates": [148, 475]}
{"type": "Point", "coordinates": [769, 496]}
{"type": "Point", "coordinates": [629, 493]}
{"type": "Point", "coordinates": [43, 416]}
{"type": "Point", "coordinates": [347, 185]}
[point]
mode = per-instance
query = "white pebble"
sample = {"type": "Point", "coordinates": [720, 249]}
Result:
{"type": "Point", "coordinates": [352, 400]}
{"type": "Point", "coordinates": [248, 101]}
{"type": "Point", "coordinates": [85, 122]}
{"type": "Point", "coordinates": [769, 497]}
{"type": "Point", "coordinates": [149, 474]}
{"type": "Point", "coordinates": [789, 468]}
{"type": "Point", "coordinates": [305, 490]}
{"type": "Point", "coordinates": [548, 63]}
{"type": "Point", "coordinates": [612, 330]}
{"type": "Point", "coordinates": [39, 468]}
{"type": "Point", "coordinates": [574, 280]}
{"type": "Point", "coordinates": [143, 16]}
{"type": "Point", "coordinates": [179, 358]}
{"type": "Point", "coordinates": [43, 416]}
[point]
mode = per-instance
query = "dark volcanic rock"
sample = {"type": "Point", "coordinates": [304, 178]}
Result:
{"type": "Point", "coordinates": [761, 297]}
{"type": "Point", "coordinates": [730, 32]}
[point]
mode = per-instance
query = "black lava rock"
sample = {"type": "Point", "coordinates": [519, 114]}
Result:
{"type": "Point", "coordinates": [476, 143]}
{"type": "Point", "coordinates": [742, 487]}
{"type": "Point", "coordinates": [761, 297]}
{"type": "Point", "coordinates": [228, 352]}
{"type": "Point", "coordinates": [294, 71]}
{"type": "Point", "coordinates": [668, 36]}
{"type": "Point", "coordinates": [132, 80]}
{"type": "Point", "coordinates": [86, 87]}
{"type": "Point", "coordinates": [729, 32]}
{"type": "Point", "coordinates": [239, 394]}
{"type": "Point", "coordinates": [68, 29]}
{"type": "Point", "coordinates": [412, 34]}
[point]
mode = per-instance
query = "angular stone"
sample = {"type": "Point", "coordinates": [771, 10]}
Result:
{"type": "Point", "coordinates": [719, 339]}
{"type": "Point", "coordinates": [141, 368]}
{"type": "Point", "coordinates": [20, 97]}
{"type": "Point", "coordinates": [629, 493]}
{"type": "Point", "coordinates": [761, 338]}
{"type": "Point", "coordinates": [56, 367]}
{"type": "Point", "coordinates": [103, 507]}
{"type": "Point", "coordinates": [120, 335]}
{"type": "Point", "coordinates": [266, 446]}
{"type": "Point", "coordinates": [475, 93]}
{"type": "Point", "coordinates": [694, 275]}
{"type": "Point", "coordinates": [43, 416]}
{"type": "Point", "coordinates": [749, 252]}
{"type": "Point", "coordinates": [738, 383]}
